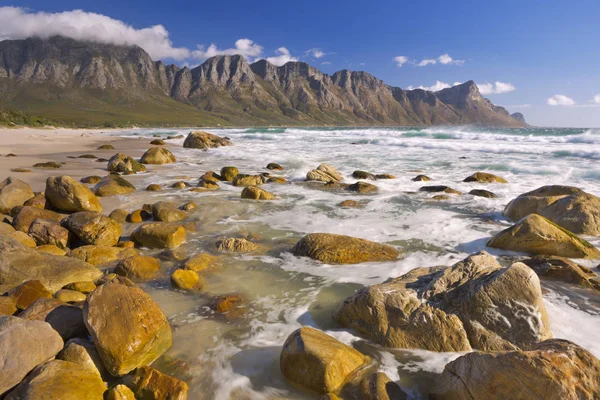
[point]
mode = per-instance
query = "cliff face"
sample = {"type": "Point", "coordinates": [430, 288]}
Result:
{"type": "Point", "coordinates": [227, 86]}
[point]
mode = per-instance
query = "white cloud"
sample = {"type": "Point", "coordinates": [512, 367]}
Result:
{"type": "Point", "coordinates": [444, 59]}
{"type": "Point", "coordinates": [560, 100]}
{"type": "Point", "coordinates": [401, 60]}
{"type": "Point", "coordinates": [596, 99]}
{"type": "Point", "coordinates": [426, 62]}
{"type": "Point", "coordinates": [315, 53]}
{"type": "Point", "coordinates": [283, 57]}
{"type": "Point", "coordinates": [434, 88]}
{"type": "Point", "coordinates": [19, 23]}
{"type": "Point", "coordinates": [244, 47]}
{"type": "Point", "coordinates": [325, 63]}
{"type": "Point", "coordinates": [495, 88]}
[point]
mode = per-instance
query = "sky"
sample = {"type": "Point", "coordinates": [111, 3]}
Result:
{"type": "Point", "coordinates": [536, 57]}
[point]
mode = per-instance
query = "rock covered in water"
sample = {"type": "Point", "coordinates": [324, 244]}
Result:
{"type": "Point", "coordinates": [124, 164]}
{"type": "Point", "coordinates": [475, 303]}
{"type": "Point", "coordinates": [167, 212]}
{"type": "Point", "coordinates": [274, 167]}
{"type": "Point", "coordinates": [229, 173]}
{"type": "Point", "coordinates": [551, 370]}
{"type": "Point", "coordinates": [112, 185]}
{"type": "Point", "coordinates": [256, 193]}
{"type": "Point", "coordinates": [324, 173]}
{"type": "Point", "coordinates": [340, 249]}
{"type": "Point", "coordinates": [439, 188]}
{"type": "Point", "coordinates": [68, 195]}
{"type": "Point", "coordinates": [158, 155]}
{"type": "Point", "coordinates": [421, 178]}
{"type": "Point", "coordinates": [129, 336]}
{"type": "Point", "coordinates": [93, 228]}
{"type": "Point", "coordinates": [364, 175]}
{"type": "Point", "coordinates": [159, 235]}
{"type": "Point", "coordinates": [484, 177]}
{"type": "Point", "coordinates": [236, 245]}
{"type": "Point", "coordinates": [204, 140]}
{"type": "Point", "coordinates": [363, 188]}
{"type": "Point", "coordinates": [316, 361]}
{"type": "Point", "coordinates": [482, 193]}
{"type": "Point", "coordinates": [201, 262]}
{"type": "Point", "coordinates": [248, 180]}
{"type": "Point", "coordinates": [535, 234]}
{"type": "Point", "coordinates": [13, 192]}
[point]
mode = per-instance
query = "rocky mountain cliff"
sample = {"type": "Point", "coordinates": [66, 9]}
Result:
{"type": "Point", "coordinates": [108, 81]}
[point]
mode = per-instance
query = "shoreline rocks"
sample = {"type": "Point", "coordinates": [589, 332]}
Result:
{"type": "Point", "coordinates": [68, 195]}
{"type": "Point", "coordinates": [340, 249]}
{"type": "Point", "coordinates": [204, 140]}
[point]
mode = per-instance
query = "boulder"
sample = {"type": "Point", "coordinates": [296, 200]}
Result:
{"type": "Point", "coordinates": [68, 195]}
{"type": "Point", "coordinates": [51, 249]}
{"type": "Point", "coordinates": [564, 270]}
{"type": "Point", "coordinates": [180, 185]}
{"type": "Point", "coordinates": [83, 353]}
{"type": "Point", "coordinates": [324, 173]}
{"type": "Point", "coordinates": [378, 386]}
{"type": "Point", "coordinates": [204, 140]}
{"type": "Point", "coordinates": [232, 305]}
{"type": "Point", "coordinates": [83, 286]}
{"type": "Point", "coordinates": [274, 166]}
{"type": "Point", "coordinates": [421, 178]}
{"type": "Point", "coordinates": [256, 193]}
{"type": "Point", "coordinates": [186, 279]}
{"type": "Point", "coordinates": [439, 188]}
{"type": "Point", "coordinates": [364, 175]}
{"type": "Point", "coordinates": [91, 180]}
{"type": "Point", "coordinates": [551, 370]}
{"type": "Point", "coordinates": [37, 201]}
{"type": "Point", "coordinates": [69, 296]}
{"type": "Point", "coordinates": [62, 380]}
{"type": "Point", "coordinates": [24, 345]}
{"type": "Point", "coordinates": [23, 238]}
{"type": "Point", "coordinates": [112, 185]}
{"type": "Point", "coordinates": [93, 228]}
{"type": "Point", "coordinates": [385, 176]}
{"type": "Point", "coordinates": [484, 177]}
{"type": "Point", "coordinates": [340, 249]}
{"type": "Point", "coordinates": [125, 164]}
{"type": "Point", "coordinates": [19, 264]}
{"type": "Point", "coordinates": [120, 392]}
{"type": "Point", "coordinates": [190, 205]}
{"type": "Point", "coordinates": [159, 235]}
{"type": "Point", "coordinates": [277, 180]}
{"type": "Point", "coordinates": [153, 187]}
{"type": "Point", "coordinates": [149, 383]}
{"type": "Point", "coordinates": [316, 361]}
{"type": "Point", "coordinates": [201, 262]}
{"type": "Point", "coordinates": [363, 188]}
{"type": "Point", "coordinates": [13, 192]}
{"type": "Point", "coordinates": [229, 173]}
{"type": "Point", "coordinates": [101, 255]}
{"type": "Point", "coordinates": [45, 231]}
{"type": "Point", "coordinates": [28, 292]}
{"type": "Point", "coordinates": [7, 305]}
{"type": "Point", "coordinates": [138, 216]}
{"type": "Point", "coordinates": [482, 193]}
{"type": "Point", "coordinates": [6, 229]}
{"type": "Point", "coordinates": [47, 165]}
{"type": "Point", "coordinates": [167, 212]}
{"type": "Point", "coordinates": [476, 303]}
{"type": "Point", "coordinates": [64, 318]}
{"type": "Point", "coordinates": [24, 217]}
{"type": "Point", "coordinates": [158, 142]}
{"type": "Point", "coordinates": [535, 234]}
{"type": "Point", "coordinates": [126, 337]}
{"type": "Point", "coordinates": [138, 267]}
{"type": "Point", "coordinates": [158, 155]}
{"type": "Point", "coordinates": [248, 180]}
{"type": "Point", "coordinates": [236, 245]}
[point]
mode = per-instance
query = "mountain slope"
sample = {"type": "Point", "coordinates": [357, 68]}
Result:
{"type": "Point", "coordinates": [84, 82]}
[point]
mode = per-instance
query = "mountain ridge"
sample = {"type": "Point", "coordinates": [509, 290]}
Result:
{"type": "Point", "coordinates": [45, 76]}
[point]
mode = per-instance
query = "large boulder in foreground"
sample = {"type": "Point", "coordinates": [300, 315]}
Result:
{"type": "Point", "coordinates": [68, 195]}
{"type": "Point", "coordinates": [552, 370]}
{"type": "Point", "coordinates": [93, 228]}
{"type": "Point", "coordinates": [324, 173]}
{"type": "Point", "coordinates": [19, 263]}
{"type": "Point", "coordinates": [128, 328]}
{"type": "Point", "coordinates": [316, 361]}
{"type": "Point", "coordinates": [158, 155]}
{"type": "Point", "coordinates": [13, 192]}
{"type": "Point", "coordinates": [125, 164]}
{"type": "Point", "coordinates": [535, 234]}
{"type": "Point", "coordinates": [62, 380]}
{"type": "Point", "coordinates": [112, 185]}
{"type": "Point", "coordinates": [159, 235]}
{"type": "Point", "coordinates": [340, 249]}
{"type": "Point", "coordinates": [474, 304]}
{"type": "Point", "coordinates": [204, 140]}
{"type": "Point", "coordinates": [24, 345]}
{"type": "Point", "coordinates": [567, 206]}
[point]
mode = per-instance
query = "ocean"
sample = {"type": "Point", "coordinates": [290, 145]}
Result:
{"type": "Point", "coordinates": [238, 358]}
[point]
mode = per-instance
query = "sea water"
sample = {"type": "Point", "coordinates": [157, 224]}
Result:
{"type": "Point", "coordinates": [238, 358]}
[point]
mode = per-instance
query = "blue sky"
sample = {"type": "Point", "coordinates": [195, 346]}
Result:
{"type": "Point", "coordinates": [540, 52]}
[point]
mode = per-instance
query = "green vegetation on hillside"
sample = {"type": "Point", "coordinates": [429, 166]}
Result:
{"type": "Point", "coordinates": [19, 118]}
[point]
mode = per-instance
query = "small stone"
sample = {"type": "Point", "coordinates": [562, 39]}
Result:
{"type": "Point", "coordinates": [119, 215]}
{"type": "Point", "coordinates": [139, 216]}
{"type": "Point", "coordinates": [256, 193]}
{"type": "Point", "coordinates": [158, 155]}
{"type": "Point", "coordinates": [484, 177]}
{"type": "Point", "coordinates": [277, 179]}
{"type": "Point", "coordinates": [232, 305]}
{"type": "Point", "coordinates": [120, 392]}
{"type": "Point", "coordinates": [154, 187]}
{"type": "Point", "coordinates": [274, 166]}
{"type": "Point", "coordinates": [51, 249]}
{"type": "Point", "coordinates": [363, 187]}
{"type": "Point", "coordinates": [149, 383]}
{"type": "Point", "coordinates": [189, 206]}
{"type": "Point", "coordinates": [421, 178]}
{"type": "Point", "coordinates": [47, 165]}
{"type": "Point", "coordinates": [27, 293]}
{"type": "Point", "coordinates": [159, 235]}
{"type": "Point", "coordinates": [91, 180]}
{"type": "Point", "coordinates": [439, 188]}
{"type": "Point", "coordinates": [23, 238]}
{"type": "Point", "coordinates": [440, 197]}
{"type": "Point", "coordinates": [482, 193]}
{"type": "Point", "coordinates": [364, 175]}
{"type": "Point", "coordinates": [180, 185]}
{"type": "Point", "coordinates": [138, 267]}
{"type": "Point", "coordinates": [106, 147]}
{"type": "Point", "coordinates": [201, 262]}
{"type": "Point", "coordinates": [69, 296]}
{"type": "Point", "coordinates": [236, 245]}
{"type": "Point", "coordinates": [229, 173]}
{"type": "Point", "coordinates": [186, 279]}
{"type": "Point", "coordinates": [158, 142]}
{"type": "Point", "coordinates": [112, 185]}
{"type": "Point", "coordinates": [350, 204]}
{"type": "Point", "coordinates": [83, 286]}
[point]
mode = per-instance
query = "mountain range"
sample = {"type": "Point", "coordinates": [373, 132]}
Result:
{"type": "Point", "coordinates": [88, 83]}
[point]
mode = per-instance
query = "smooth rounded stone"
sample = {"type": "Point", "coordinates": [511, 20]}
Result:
{"type": "Point", "coordinates": [24, 239]}
{"type": "Point", "coordinates": [37, 201]}
{"type": "Point", "coordinates": [159, 235]}
{"type": "Point", "coordinates": [6, 229]}
{"type": "Point", "coordinates": [83, 286]}
{"type": "Point", "coordinates": [385, 176]}
{"type": "Point", "coordinates": [421, 178]}
{"type": "Point", "coordinates": [363, 175]}
{"type": "Point", "coordinates": [363, 188]}
{"type": "Point", "coordinates": [201, 262]}
{"type": "Point", "coordinates": [138, 267]}
{"type": "Point", "coordinates": [125, 244]}
{"type": "Point", "coordinates": [316, 361]}
{"type": "Point", "coordinates": [340, 249]}
{"type": "Point", "coordinates": [204, 140]}
{"type": "Point", "coordinates": [62, 380]}
{"type": "Point", "coordinates": [248, 180]}
{"type": "Point", "coordinates": [232, 306]}
{"type": "Point", "coordinates": [69, 296]}
{"type": "Point", "coordinates": [138, 216]}
{"type": "Point", "coordinates": [167, 212]}
{"type": "Point", "coordinates": [350, 204]}
{"type": "Point", "coordinates": [51, 249]}
{"type": "Point", "coordinates": [10, 155]}
{"type": "Point", "coordinates": [82, 352]}
{"type": "Point", "coordinates": [551, 370]}
{"type": "Point", "coordinates": [564, 270]}
{"type": "Point", "coordinates": [28, 292]}
{"type": "Point", "coordinates": [106, 147]}
{"type": "Point", "coordinates": [19, 263]}
{"type": "Point", "coordinates": [149, 383]}
{"type": "Point", "coordinates": [236, 245]}
{"type": "Point", "coordinates": [24, 217]}
{"type": "Point", "coordinates": [180, 185]}
{"type": "Point", "coordinates": [91, 180]}
{"type": "Point", "coordinates": [93, 228]}
{"type": "Point", "coordinates": [441, 197]}
{"type": "Point", "coordinates": [101, 255]}
{"type": "Point", "coordinates": [212, 177]}
{"type": "Point", "coordinates": [158, 142]}
{"type": "Point", "coordinates": [535, 234]}
{"type": "Point", "coordinates": [484, 177]}
{"type": "Point", "coordinates": [158, 156]}
{"type": "Point", "coordinates": [126, 337]}
{"type": "Point", "coordinates": [229, 173]}
{"type": "Point", "coordinates": [119, 215]}
{"type": "Point", "coordinates": [88, 156]}
{"type": "Point", "coordinates": [378, 386]}
{"type": "Point", "coordinates": [47, 165]}
{"type": "Point", "coordinates": [112, 185]}
{"type": "Point", "coordinates": [45, 231]}
{"type": "Point", "coordinates": [7, 305]}
{"type": "Point", "coordinates": [439, 188]}
{"type": "Point", "coordinates": [256, 193]}
{"type": "Point", "coordinates": [324, 173]}
{"type": "Point", "coordinates": [274, 167]}
{"type": "Point", "coordinates": [66, 194]}
{"type": "Point", "coordinates": [206, 183]}
{"type": "Point", "coordinates": [483, 193]}
{"type": "Point", "coordinates": [186, 279]}
{"type": "Point", "coordinates": [125, 164]}
{"type": "Point", "coordinates": [120, 392]}
{"type": "Point", "coordinates": [190, 205]}
{"type": "Point", "coordinates": [153, 187]}
{"type": "Point", "coordinates": [474, 304]}
{"type": "Point", "coordinates": [277, 179]}
{"type": "Point", "coordinates": [13, 192]}
{"type": "Point", "coordinates": [24, 345]}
